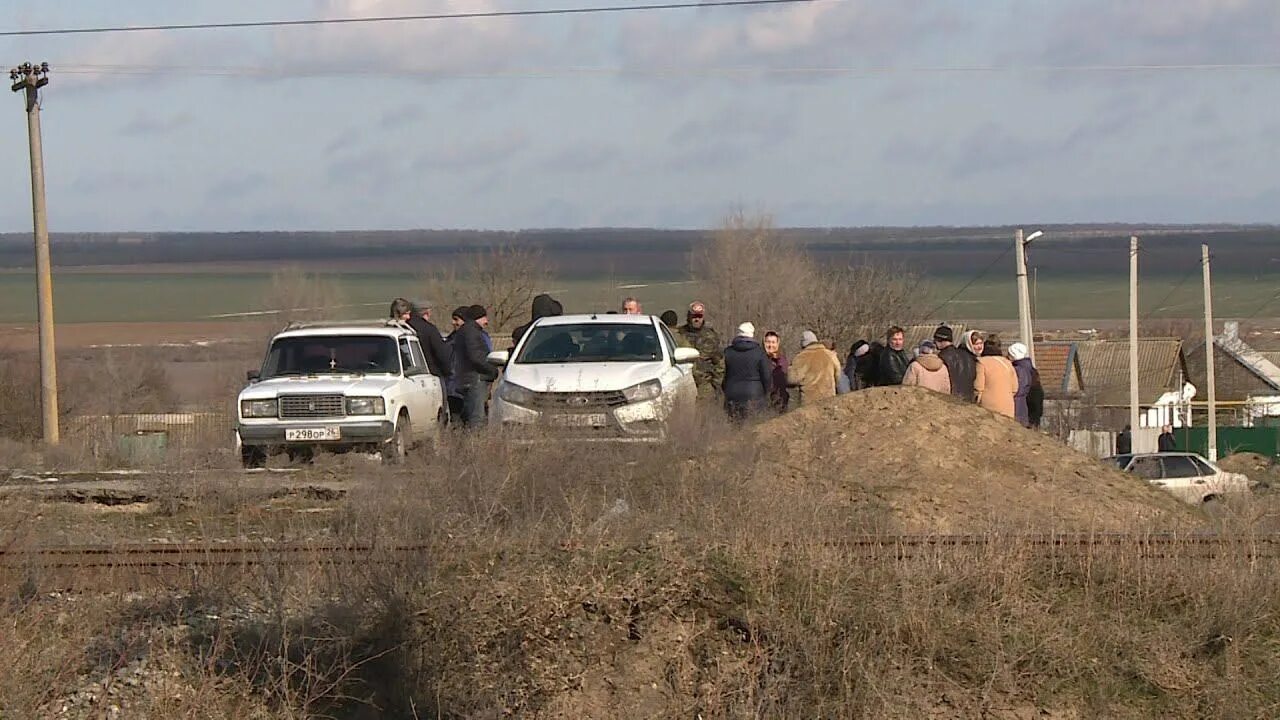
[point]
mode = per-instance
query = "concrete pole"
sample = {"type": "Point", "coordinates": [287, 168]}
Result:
{"type": "Point", "coordinates": [30, 78]}
{"type": "Point", "coordinates": [1133, 335]}
{"type": "Point", "coordinates": [1208, 357]}
{"type": "Point", "coordinates": [1024, 295]}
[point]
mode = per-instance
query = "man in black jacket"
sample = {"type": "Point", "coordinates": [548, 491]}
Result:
{"type": "Point", "coordinates": [962, 365]}
{"type": "Point", "coordinates": [475, 374]}
{"type": "Point", "coordinates": [543, 306]}
{"type": "Point", "coordinates": [894, 359]}
{"type": "Point", "coordinates": [439, 354]}
{"type": "Point", "coordinates": [748, 375]}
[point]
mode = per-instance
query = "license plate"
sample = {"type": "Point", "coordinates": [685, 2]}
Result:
{"type": "Point", "coordinates": [331, 432]}
{"type": "Point", "coordinates": [587, 420]}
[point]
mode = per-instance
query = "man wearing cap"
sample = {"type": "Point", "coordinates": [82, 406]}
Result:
{"type": "Point", "coordinates": [962, 366]}
{"type": "Point", "coordinates": [747, 375]}
{"type": "Point", "coordinates": [439, 354]}
{"type": "Point", "coordinates": [475, 374]}
{"type": "Point", "coordinates": [708, 371]}
{"type": "Point", "coordinates": [815, 369]}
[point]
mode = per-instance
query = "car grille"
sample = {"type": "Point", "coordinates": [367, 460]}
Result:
{"type": "Point", "coordinates": [579, 402]}
{"type": "Point", "coordinates": [311, 406]}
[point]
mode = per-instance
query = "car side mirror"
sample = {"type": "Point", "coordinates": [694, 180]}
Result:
{"type": "Point", "coordinates": [253, 375]}
{"type": "Point", "coordinates": [499, 358]}
{"type": "Point", "coordinates": [685, 355]}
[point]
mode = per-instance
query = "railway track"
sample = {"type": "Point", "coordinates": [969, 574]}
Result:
{"type": "Point", "coordinates": [169, 565]}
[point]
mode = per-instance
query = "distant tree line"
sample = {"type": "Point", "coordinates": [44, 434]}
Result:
{"type": "Point", "coordinates": [651, 252]}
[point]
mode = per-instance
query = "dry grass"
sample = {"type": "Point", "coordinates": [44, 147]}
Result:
{"type": "Point", "coordinates": [658, 582]}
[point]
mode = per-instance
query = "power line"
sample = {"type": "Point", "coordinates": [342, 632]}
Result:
{"type": "Point", "coordinates": [403, 18]}
{"type": "Point", "coordinates": [981, 274]}
{"type": "Point", "coordinates": [606, 70]}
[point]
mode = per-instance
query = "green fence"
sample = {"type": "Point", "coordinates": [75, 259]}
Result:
{"type": "Point", "coordinates": [1261, 440]}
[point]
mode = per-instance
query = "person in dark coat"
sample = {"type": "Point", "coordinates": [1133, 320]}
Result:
{"type": "Point", "coordinates": [475, 374]}
{"type": "Point", "coordinates": [454, 394]}
{"type": "Point", "coordinates": [543, 306]}
{"type": "Point", "coordinates": [1027, 378]}
{"type": "Point", "coordinates": [853, 361]}
{"type": "Point", "coordinates": [961, 363]}
{"type": "Point", "coordinates": [1124, 441]}
{"type": "Point", "coordinates": [894, 358]}
{"type": "Point", "coordinates": [748, 375]}
{"type": "Point", "coordinates": [439, 353]}
{"type": "Point", "coordinates": [779, 395]}
{"type": "Point", "coordinates": [1166, 442]}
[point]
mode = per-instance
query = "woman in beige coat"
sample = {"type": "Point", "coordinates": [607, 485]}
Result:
{"type": "Point", "coordinates": [996, 382]}
{"type": "Point", "coordinates": [928, 370]}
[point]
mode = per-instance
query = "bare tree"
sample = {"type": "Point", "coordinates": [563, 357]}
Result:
{"type": "Point", "coordinates": [503, 279]}
{"type": "Point", "coordinates": [753, 273]}
{"type": "Point", "coordinates": [295, 294]}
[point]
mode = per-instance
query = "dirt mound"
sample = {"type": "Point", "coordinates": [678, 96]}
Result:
{"type": "Point", "coordinates": [923, 462]}
{"type": "Point", "coordinates": [1256, 467]}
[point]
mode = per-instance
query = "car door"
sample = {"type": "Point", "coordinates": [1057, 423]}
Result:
{"type": "Point", "coordinates": [413, 391]}
{"type": "Point", "coordinates": [433, 386]}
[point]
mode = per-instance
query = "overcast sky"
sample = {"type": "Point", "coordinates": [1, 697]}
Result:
{"type": "Point", "coordinates": [511, 123]}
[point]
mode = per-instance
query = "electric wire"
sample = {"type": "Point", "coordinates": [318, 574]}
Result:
{"type": "Point", "coordinates": [472, 15]}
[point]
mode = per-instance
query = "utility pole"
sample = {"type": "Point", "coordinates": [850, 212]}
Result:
{"type": "Point", "coordinates": [1024, 296]}
{"type": "Point", "coordinates": [29, 78]}
{"type": "Point", "coordinates": [1208, 356]}
{"type": "Point", "coordinates": [1133, 335]}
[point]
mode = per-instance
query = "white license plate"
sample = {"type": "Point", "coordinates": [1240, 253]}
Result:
{"type": "Point", "coordinates": [331, 432]}
{"type": "Point", "coordinates": [588, 420]}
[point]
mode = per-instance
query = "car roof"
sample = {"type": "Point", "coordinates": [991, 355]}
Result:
{"type": "Point", "coordinates": [340, 329]}
{"type": "Point", "coordinates": [600, 319]}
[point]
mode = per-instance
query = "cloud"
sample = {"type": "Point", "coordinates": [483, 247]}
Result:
{"type": "Point", "coordinates": [445, 46]}
{"type": "Point", "coordinates": [483, 152]}
{"type": "Point", "coordinates": [810, 34]}
{"type": "Point", "coordinates": [154, 125]}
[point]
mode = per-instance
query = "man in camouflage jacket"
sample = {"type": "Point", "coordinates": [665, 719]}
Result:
{"type": "Point", "coordinates": [708, 371]}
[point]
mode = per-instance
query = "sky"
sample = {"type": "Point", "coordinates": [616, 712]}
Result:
{"type": "Point", "coordinates": [830, 113]}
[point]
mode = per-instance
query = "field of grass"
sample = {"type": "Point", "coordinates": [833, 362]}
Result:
{"type": "Point", "coordinates": [105, 296]}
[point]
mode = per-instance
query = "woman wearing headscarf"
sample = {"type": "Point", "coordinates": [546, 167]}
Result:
{"type": "Point", "coordinates": [1028, 382]}
{"type": "Point", "coordinates": [995, 382]}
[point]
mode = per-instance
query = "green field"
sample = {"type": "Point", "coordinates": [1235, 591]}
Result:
{"type": "Point", "coordinates": [92, 296]}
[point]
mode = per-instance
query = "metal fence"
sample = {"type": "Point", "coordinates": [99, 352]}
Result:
{"type": "Point", "coordinates": [182, 430]}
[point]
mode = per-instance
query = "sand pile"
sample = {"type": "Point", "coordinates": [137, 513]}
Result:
{"type": "Point", "coordinates": [923, 462]}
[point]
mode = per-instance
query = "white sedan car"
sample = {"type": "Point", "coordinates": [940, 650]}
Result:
{"type": "Point", "coordinates": [594, 377]}
{"type": "Point", "coordinates": [1188, 476]}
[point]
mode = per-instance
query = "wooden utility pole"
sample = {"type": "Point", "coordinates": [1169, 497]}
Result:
{"type": "Point", "coordinates": [1024, 296]}
{"type": "Point", "coordinates": [1208, 357]}
{"type": "Point", "coordinates": [1133, 335]}
{"type": "Point", "coordinates": [29, 78]}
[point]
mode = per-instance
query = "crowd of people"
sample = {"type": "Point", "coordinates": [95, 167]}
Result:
{"type": "Point", "coordinates": [757, 377]}
{"type": "Point", "coordinates": [753, 377]}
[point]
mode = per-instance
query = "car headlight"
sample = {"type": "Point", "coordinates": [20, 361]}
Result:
{"type": "Point", "coordinates": [648, 390]}
{"type": "Point", "coordinates": [366, 406]}
{"type": "Point", "coordinates": [258, 408]}
{"type": "Point", "coordinates": [514, 394]}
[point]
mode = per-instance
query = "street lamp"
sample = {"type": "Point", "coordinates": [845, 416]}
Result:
{"type": "Point", "coordinates": [1024, 296]}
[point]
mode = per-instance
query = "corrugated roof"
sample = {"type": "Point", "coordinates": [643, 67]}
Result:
{"type": "Point", "coordinates": [1104, 369]}
{"type": "Point", "coordinates": [1272, 356]}
{"type": "Point", "coordinates": [1053, 361]}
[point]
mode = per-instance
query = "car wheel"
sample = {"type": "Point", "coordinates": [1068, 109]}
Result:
{"type": "Point", "coordinates": [395, 449]}
{"type": "Point", "coordinates": [302, 455]}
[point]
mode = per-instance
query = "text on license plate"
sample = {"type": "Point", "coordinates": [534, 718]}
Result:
{"type": "Point", "coordinates": [331, 432]}
{"type": "Point", "coordinates": [587, 420]}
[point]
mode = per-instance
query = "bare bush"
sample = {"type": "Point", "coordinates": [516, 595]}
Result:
{"type": "Point", "coordinates": [754, 273]}
{"type": "Point", "coordinates": [503, 279]}
{"type": "Point", "coordinates": [297, 295]}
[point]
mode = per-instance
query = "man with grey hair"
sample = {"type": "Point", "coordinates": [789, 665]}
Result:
{"type": "Point", "coordinates": [439, 354]}
{"type": "Point", "coordinates": [631, 306]}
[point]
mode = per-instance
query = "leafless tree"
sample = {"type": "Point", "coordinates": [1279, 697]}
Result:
{"type": "Point", "coordinates": [754, 273]}
{"type": "Point", "coordinates": [295, 294]}
{"type": "Point", "coordinates": [503, 279]}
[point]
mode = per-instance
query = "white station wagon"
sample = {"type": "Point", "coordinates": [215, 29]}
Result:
{"type": "Point", "coordinates": [594, 377]}
{"type": "Point", "coordinates": [340, 387]}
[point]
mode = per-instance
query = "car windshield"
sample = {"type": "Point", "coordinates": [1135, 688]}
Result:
{"type": "Point", "coordinates": [320, 354]}
{"type": "Point", "coordinates": [595, 342]}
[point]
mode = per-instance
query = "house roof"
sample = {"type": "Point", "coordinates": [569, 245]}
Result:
{"type": "Point", "coordinates": [1104, 369]}
{"type": "Point", "coordinates": [1054, 360]}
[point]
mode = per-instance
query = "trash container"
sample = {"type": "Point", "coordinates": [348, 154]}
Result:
{"type": "Point", "coordinates": [143, 447]}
